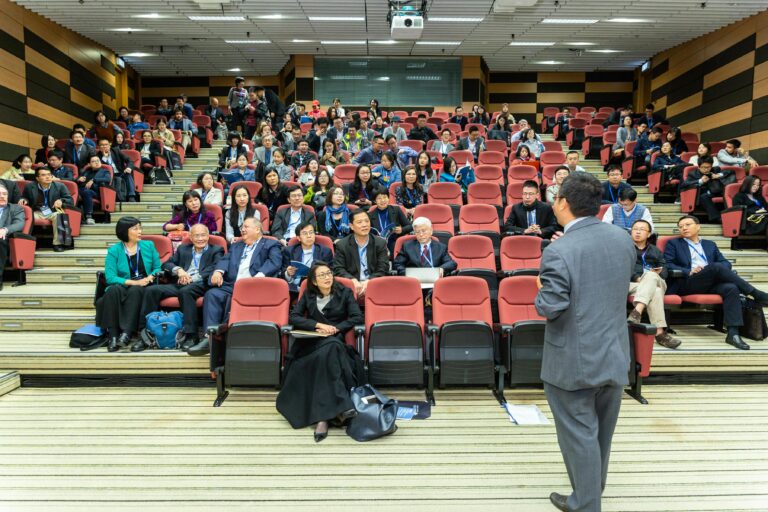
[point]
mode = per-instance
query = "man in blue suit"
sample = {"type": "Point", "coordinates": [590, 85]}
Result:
{"type": "Point", "coordinates": [424, 252]}
{"type": "Point", "coordinates": [306, 251]}
{"type": "Point", "coordinates": [705, 270]}
{"type": "Point", "coordinates": [252, 256]}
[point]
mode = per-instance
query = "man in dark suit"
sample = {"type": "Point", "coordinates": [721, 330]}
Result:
{"type": "Point", "coordinates": [46, 197]}
{"type": "Point", "coordinates": [421, 131]}
{"type": "Point", "coordinates": [705, 270]}
{"type": "Point", "coordinates": [306, 251]}
{"type": "Point", "coordinates": [122, 167]}
{"type": "Point", "coordinates": [11, 221]}
{"type": "Point", "coordinates": [531, 216]}
{"type": "Point", "coordinates": [459, 117]}
{"type": "Point", "coordinates": [424, 252]}
{"type": "Point", "coordinates": [302, 154]}
{"type": "Point", "coordinates": [651, 118]}
{"type": "Point", "coordinates": [14, 194]}
{"type": "Point", "coordinates": [252, 256]}
{"type": "Point", "coordinates": [191, 266]}
{"type": "Point", "coordinates": [361, 256]}
{"type": "Point", "coordinates": [316, 137]}
{"type": "Point", "coordinates": [213, 111]}
{"type": "Point", "coordinates": [711, 184]}
{"type": "Point", "coordinates": [287, 219]}
{"type": "Point", "coordinates": [583, 293]}
{"type": "Point", "coordinates": [77, 152]}
{"type": "Point", "coordinates": [473, 142]}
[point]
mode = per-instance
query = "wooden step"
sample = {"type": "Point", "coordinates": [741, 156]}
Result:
{"type": "Point", "coordinates": [42, 296]}
{"type": "Point", "coordinates": [46, 320]}
{"type": "Point", "coordinates": [9, 380]}
{"type": "Point", "coordinates": [62, 275]}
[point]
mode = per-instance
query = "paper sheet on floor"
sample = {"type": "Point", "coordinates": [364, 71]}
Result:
{"type": "Point", "coordinates": [526, 415]}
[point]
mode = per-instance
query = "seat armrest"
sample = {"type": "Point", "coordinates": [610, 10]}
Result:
{"type": "Point", "coordinates": [642, 328]}
{"type": "Point", "coordinates": [676, 274]}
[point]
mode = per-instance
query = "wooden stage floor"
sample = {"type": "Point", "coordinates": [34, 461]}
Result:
{"type": "Point", "coordinates": [694, 448]}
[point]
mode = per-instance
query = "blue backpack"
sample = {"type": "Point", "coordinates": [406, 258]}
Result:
{"type": "Point", "coordinates": [163, 327]}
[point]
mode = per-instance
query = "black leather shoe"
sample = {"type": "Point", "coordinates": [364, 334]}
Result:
{"type": "Point", "coordinates": [200, 349]}
{"type": "Point", "coordinates": [124, 340]}
{"type": "Point", "coordinates": [319, 436]}
{"type": "Point", "coordinates": [760, 297]}
{"type": "Point", "coordinates": [737, 342]}
{"type": "Point", "coordinates": [113, 346]}
{"type": "Point", "coordinates": [559, 501]}
{"type": "Point", "coordinates": [189, 341]}
{"type": "Point", "coordinates": [139, 346]}
{"type": "Point", "coordinates": [58, 248]}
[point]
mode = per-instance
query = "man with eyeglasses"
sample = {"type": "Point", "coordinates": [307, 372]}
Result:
{"type": "Point", "coordinates": [191, 266]}
{"type": "Point", "coordinates": [361, 256]}
{"type": "Point", "coordinates": [648, 283]}
{"type": "Point", "coordinates": [122, 167]}
{"type": "Point", "coordinates": [531, 216]}
{"type": "Point", "coordinates": [307, 252]}
{"type": "Point", "coordinates": [424, 252]}
{"type": "Point", "coordinates": [48, 198]}
{"type": "Point", "coordinates": [252, 256]}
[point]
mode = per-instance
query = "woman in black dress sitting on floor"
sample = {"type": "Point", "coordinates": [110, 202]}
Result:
{"type": "Point", "coordinates": [319, 371]}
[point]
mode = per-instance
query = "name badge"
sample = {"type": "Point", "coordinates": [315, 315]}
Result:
{"type": "Point", "coordinates": [46, 211]}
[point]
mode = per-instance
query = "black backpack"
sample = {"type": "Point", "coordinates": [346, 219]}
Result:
{"type": "Point", "coordinates": [121, 189]}
{"type": "Point", "coordinates": [160, 176]}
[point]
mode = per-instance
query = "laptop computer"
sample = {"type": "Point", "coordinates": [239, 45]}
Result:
{"type": "Point", "coordinates": [426, 276]}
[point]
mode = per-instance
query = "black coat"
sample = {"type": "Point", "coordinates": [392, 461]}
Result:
{"type": "Point", "coordinates": [57, 191]}
{"type": "Point", "coordinates": [14, 195]}
{"type": "Point", "coordinates": [346, 262]}
{"type": "Point", "coordinates": [653, 257]}
{"type": "Point", "coordinates": [224, 154]}
{"type": "Point", "coordinates": [71, 156]}
{"type": "Point", "coordinates": [410, 257]}
{"type": "Point", "coordinates": [183, 258]}
{"type": "Point", "coordinates": [121, 161]}
{"type": "Point", "coordinates": [423, 134]}
{"type": "Point", "coordinates": [714, 187]}
{"type": "Point", "coordinates": [741, 199]}
{"type": "Point", "coordinates": [342, 311]}
{"type": "Point", "coordinates": [517, 222]}
{"type": "Point", "coordinates": [283, 218]}
{"type": "Point", "coordinates": [396, 218]}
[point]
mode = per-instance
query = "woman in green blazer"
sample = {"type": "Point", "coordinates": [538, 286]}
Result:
{"type": "Point", "coordinates": [130, 267]}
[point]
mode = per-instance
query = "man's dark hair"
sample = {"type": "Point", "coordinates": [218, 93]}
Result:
{"type": "Point", "coordinates": [123, 225]}
{"type": "Point", "coordinates": [530, 184]}
{"type": "Point", "coordinates": [38, 170]}
{"type": "Point", "coordinates": [692, 217]}
{"type": "Point", "coordinates": [473, 129]}
{"type": "Point", "coordinates": [640, 122]}
{"type": "Point", "coordinates": [291, 189]}
{"type": "Point", "coordinates": [422, 116]}
{"type": "Point", "coordinates": [613, 167]}
{"type": "Point", "coordinates": [302, 140]}
{"type": "Point", "coordinates": [78, 126]}
{"type": "Point", "coordinates": [736, 143]}
{"type": "Point", "coordinates": [706, 160]}
{"type": "Point", "coordinates": [389, 137]}
{"type": "Point", "coordinates": [657, 130]}
{"type": "Point", "coordinates": [379, 137]}
{"type": "Point", "coordinates": [303, 225]}
{"type": "Point", "coordinates": [445, 130]}
{"type": "Point", "coordinates": [649, 106]}
{"type": "Point", "coordinates": [58, 154]}
{"type": "Point", "coordinates": [257, 88]}
{"type": "Point", "coordinates": [180, 97]}
{"type": "Point", "coordinates": [73, 132]}
{"type": "Point", "coordinates": [239, 79]}
{"type": "Point", "coordinates": [457, 108]}
{"type": "Point", "coordinates": [322, 120]}
{"type": "Point", "coordinates": [571, 152]}
{"type": "Point", "coordinates": [627, 194]}
{"type": "Point", "coordinates": [380, 192]}
{"type": "Point", "coordinates": [354, 124]}
{"type": "Point", "coordinates": [583, 192]}
{"type": "Point", "coordinates": [644, 222]}
{"type": "Point", "coordinates": [355, 213]}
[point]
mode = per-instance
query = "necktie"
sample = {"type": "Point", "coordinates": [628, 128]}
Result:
{"type": "Point", "coordinates": [424, 258]}
{"type": "Point", "coordinates": [267, 156]}
{"type": "Point", "coordinates": [531, 220]}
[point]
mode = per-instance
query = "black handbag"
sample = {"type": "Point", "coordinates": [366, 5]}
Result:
{"type": "Point", "coordinates": [755, 327]}
{"type": "Point", "coordinates": [376, 414]}
{"type": "Point", "coordinates": [64, 229]}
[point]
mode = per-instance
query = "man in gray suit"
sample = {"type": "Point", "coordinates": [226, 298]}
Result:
{"type": "Point", "coordinates": [11, 221]}
{"type": "Point", "coordinates": [583, 295]}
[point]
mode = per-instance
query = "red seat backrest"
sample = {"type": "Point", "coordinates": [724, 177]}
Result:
{"type": "Point", "coordinates": [483, 193]}
{"type": "Point", "coordinates": [480, 127]}
{"type": "Point", "coordinates": [445, 193]}
{"type": "Point", "coordinates": [761, 171]}
{"type": "Point", "coordinates": [520, 251]}
{"type": "Point", "coordinates": [202, 121]}
{"type": "Point", "coordinates": [552, 145]}
{"type": "Point", "coordinates": [264, 299]}
{"type": "Point", "coordinates": [462, 156]}
{"type": "Point", "coordinates": [472, 251]}
{"type": "Point", "coordinates": [516, 299]}
{"type": "Point", "coordinates": [319, 240]}
{"type": "Point", "coordinates": [254, 187]}
{"type": "Point", "coordinates": [593, 130]}
{"type": "Point", "coordinates": [587, 110]}
{"type": "Point", "coordinates": [489, 173]}
{"type": "Point", "coordinates": [551, 111]}
{"type": "Point", "coordinates": [217, 240]}
{"type": "Point", "coordinates": [454, 127]}
{"type": "Point", "coordinates": [461, 298]}
{"type": "Point", "coordinates": [393, 298]}
{"type": "Point", "coordinates": [72, 189]}
{"type": "Point", "coordinates": [730, 192]}
{"type": "Point", "coordinates": [416, 145]}
{"type": "Point", "coordinates": [29, 221]}
{"type": "Point", "coordinates": [440, 215]}
{"type": "Point", "coordinates": [603, 209]}
{"type": "Point", "coordinates": [514, 192]}
{"type": "Point", "coordinates": [522, 173]}
{"type": "Point", "coordinates": [552, 157]}
{"type": "Point", "coordinates": [163, 246]}
{"type": "Point", "coordinates": [661, 243]}
{"type": "Point", "coordinates": [218, 214]}
{"type": "Point", "coordinates": [344, 173]}
{"type": "Point", "coordinates": [495, 145]}
{"type": "Point", "coordinates": [491, 157]}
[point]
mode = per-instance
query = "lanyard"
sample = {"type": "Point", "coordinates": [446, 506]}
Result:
{"type": "Point", "coordinates": [383, 226]}
{"type": "Point", "coordinates": [642, 257]}
{"type": "Point", "coordinates": [362, 252]}
{"type": "Point", "coordinates": [196, 260]}
{"type": "Point", "coordinates": [249, 250]}
{"type": "Point", "coordinates": [204, 195]}
{"type": "Point", "coordinates": [628, 225]}
{"type": "Point", "coordinates": [134, 271]}
{"type": "Point", "coordinates": [365, 192]}
{"type": "Point", "coordinates": [410, 196]}
{"type": "Point", "coordinates": [700, 254]}
{"type": "Point", "coordinates": [614, 198]}
{"type": "Point", "coordinates": [45, 195]}
{"type": "Point", "coordinates": [199, 219]}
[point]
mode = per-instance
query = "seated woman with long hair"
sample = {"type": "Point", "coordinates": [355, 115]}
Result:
{"type": "Point", "coordinates": [333, 221]}
{"type": "Point", "coordinates": [523, 156]}
{"type": "Point", "coordinates": [317, 193]}
{"type": "Point", "coordinates": [148, 148]}
{"type": "Point", "coordinates": [129, 268]}
{"type": "Point", "coordinates": [756, 214]}
{"type": "Point", "coordinates": [47, 144]}
{"type": "Point", "coordinates": [192, 212]}
{"type": "Point", "coordinates": [121, 143]}
{"type": "Point", "coordinates": [241, 209]}
{"type": "Point", "coordinates": [451, 174]}
{"type": "Point", "coordinates": [332, 156]}
{"type": "Point", "coordinates": [320, 371]}
{"type": "Point", "coordinates": [410, 193]}
{"type": "Point", "coordinates": [273, 193]}
{"type": "Point", "coordinates": [426, 174]}
{"type": "Point", "coordinates": [361, 190]}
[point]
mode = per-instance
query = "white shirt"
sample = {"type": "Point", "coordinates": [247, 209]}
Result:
{"type": "Point", "coordinates": [244, 270]}
{"type": "Point", "coordinates": [293, 221]}
{"type": "Point", "coordinates": [696, 259]}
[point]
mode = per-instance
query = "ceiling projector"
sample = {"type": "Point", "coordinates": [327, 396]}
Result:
{"type": "Point", "coordinates": [406, 21]}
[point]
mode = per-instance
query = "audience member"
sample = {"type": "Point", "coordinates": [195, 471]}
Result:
{"type": "Point", "coordinates": [130, 267]}
{"type": "Point", "coordinates": [122, 167]}
{"type": "Point", "coordinates": [648, 284]}
{"type": "Point", "coordinates": [149, 149]}
{"type": "Point", "coordinates": [255, 113]}
{"type": "Point", "coordinates": [14, 193]}
{"type": "Point", "coordinates": [286, 220]}
{"type": "Point", "coordinates": [423, 252]}
{"type": "Point", "coordinates": [12, 221]}
{"type": "Point", "coordinates": [444, 145]}
{"type": "Point", "coordinates": [191, 267]}
{"type": "Point", "coordinates": [332, 156]}
{"type": "Point", "coordinates": [307, 174]}
{"type": "Point", "coordinates": [316, 137]}
{"type": "Point", "coordinates": [675, 139]}
{"type": "Point", "coordinates": [627, 211]}
{"type": "Point", "coordinates": [703, 149]}
{"type": "Point", "coordinates": [670, 164]}
{"type": "Point", "coordinates": [137, 123]}
{"type": "Point", "coordinates": [614, 185]}
{"type": "Point", "coordinates": [361, 191]}
{"type": "Point", "coordinates": [479, 115]}
{"type": "Point", "coordinates": [164, 109]}
{"type": "Point", "coordinates": [531, 140]}
{"type": "Point", "coordinates": [237, 98]}
{"type": "Point", "coordinates": [307, 252]}
{"type": "Point", "coordinates": [523, 156]}
{"type": "Point", "coordinates": [531, 216]}
{"type": "Point", "coordinates": [317, 192]}
{"type": "Point", "coordinates": [452, 173]}
{"type": "Point", "coordinates": [213, 111]}
{"type": "Point", "coordinates": [57, 168]}
{"type": "Point", "coordinates": [185, 126]}
{"type": "Point", "coordinates": [421, 131]}
{"type": "Point", "coordinates": [646, 146]}
{"type": "Point", "coordinates": [273, 193]}
{"type": "Point", "coordinates": [706, 270]}
{"type": "Point", "coordinates": [230, 152]}
{"type": "Point", "coordinates": [191, 212]}
{"type": "Point", "coordinates": [92, 177]}
{"type": "Point", "coordinates": [121, 143]}
{"type": "Point", "coordinates": [365, 132]}
{"type": "Point", "coordinates": [77, 152]}
{"type": "Point", "coordinates": [395, 129]}
{"type": "Point", "coordinates": [426, 174]}
{"type": "Point", "coordinates": [459, 117]}
{"type": "Point", "coordinates": [652, 118]}
{"type": "Point", "coordinates": [302, 154]}
{"type": "Point", "coordinates": [405, 154]}
{"type": "Point", "coordinates": [47, 144]}
{"type": "Point", "coordinates": [241, 209]}
{"type": "Point", "coordinates": [209, 193]}
{"type": "Point", "coordinates": [22, 165]}
{"type": "Point", "coordinates": [278, 164]}
{"type": "Point", "coordinates": [711, 184]}
{"type": "Point", "coordinates": [388, 221]}
{"type": "Point", "coordinates": [732, 154]}
{"type": "Point", "coordinates": [387, 172]}
{"type": "Point", "coordinates": [751, 197]}
{"type": "Point", "coordinates": [372, 154]}
{"type": "Point", "coordinates": [374, 111]}
{"type": "Point", "coordinates": [561, 173]}
{"type": "Point", "coordinates": [473, 142]}
{"type": "Point", "coordinates": [102, 127]}
{"type": "Point", "coordinates": [410, 193]}
{"type": "Point", "coordinates": [266, 150]}
{"type": "Point", "coordinates": [523, 127]}
{"type": "Point", "coordinates": [361, 256]}
{"type": "Point", "coordinates": [123, 115]}
{"type": "Point", "coordinates": [572, 162]}
{"type": "Point", "coordinates": [333, 221]}
{"type": "Point", "coordinates": [626, 133]}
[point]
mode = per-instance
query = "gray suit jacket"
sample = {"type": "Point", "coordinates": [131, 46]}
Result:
{"type": "Point", "coordinates": [258, 153]}
{"type": "Point", "coordinates": [12, 218]}
{"type": "Point", "coordinates": [584, 278]}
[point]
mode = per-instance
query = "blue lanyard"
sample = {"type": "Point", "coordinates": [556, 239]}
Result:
{"type": "Point", "coordinates": [196, 260]}
{"type": "Point", "coordinates": [614, 199]}
{"type": "Point", "coordinates": [410, 196]}
{"type": "Point", "coordinates": [642, 256]}
{"type": "Point", "coordinates": [700, 254]}
{"type": "Point", "coordinates": [199, 219]}
{"type": "Point", "coordinates": [45, 195]}
{"type": "Point", "coordinates": [362, 252]}
{"type": "Point", "coordinates": [203, 195]}
{"type": "Point", "coordinates": [631, 217]}
{"type": "Point", "coordinates": [383, 226]}
{"type": "Point", "coordinates": [248, 250]}
{"type": "Point", "coordinates": [758, 203]}
{"type": "Point", "coordinates": [134, 271]}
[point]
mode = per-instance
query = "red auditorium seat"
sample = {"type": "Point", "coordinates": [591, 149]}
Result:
{"type": "Point", "coordinates": [609, 139]}
{"type": "Point", "coordinates": [593, 141]}
{"type": "Point", "coordinates": [344, 174]}
{"type": "Point", "coordinates": [587, 110]}
{"type": "Point", "coordinates": [249, 350]}
{"type": "Point", "coordinates": [520, 255]}
{"type": "Point", "coordinates": [552, 158]}
{"type": "Point", "coordinates": [441, 216]}
{"type": "Point", "coordinates": [218, 214]}
{"type": "Point", "coordinates": [138, 176]}
{"type": "Point", "coordinates": [492, 158]}
{"type": "Point", "coordinates": [454, 127]}
{"type": "Point", "coordinates": [485, 173]}
{"type": "Point", "coordinates": [254, 187]}
{"type": "Point", "coordinates": [21, 248]}
{"type": "Point", "coordinates": [495, 145]}
{"type": "Point", "coordinates": [474, 256]}
{"type": "Point", "coordinates": [481, 219]}
{"type": "Point", "coordinates": [416, 145]}
{"type": "Point", "coordinates": [575, 135]}
{"type": "Point", "coordinates": [484, 193]}
{"type": "Point", "coordinates": [607, 110]}
{"type": "Point", "coordinates": [761, 171]}
{"type": "Point", "coordinates": [552, 145]}
{"type": "Point", "coordinates": [462, 157]}
{"type": "Point", "coordinates": [522, 173]}
{"type": "Point", "coordinates": [163, 246]}
{"type": "Point", "coordinates": [481, 128]}
{"type": "Point", "coordinates": [394, 349]}
{"type": "Point", "coordinates": [462, 332]}
{"type": "Point", "coordinates": [522, 330]}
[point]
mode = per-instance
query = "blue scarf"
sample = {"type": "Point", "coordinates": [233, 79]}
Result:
{"type": "Point", "coordinates": [343, 228]}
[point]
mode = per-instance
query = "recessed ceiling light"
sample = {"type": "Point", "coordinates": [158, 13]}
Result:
{"type": "Point", "coordinates": [302, 41]}
{"type": "Point", "coordinates": [439, 43]}
{"type": "Point", "coordinates": [449, 20]}
{"type": "Point", "coordinates": [216, 18]}
{"type": "Point", "coordinates": [382, 79]}
{"type": "Point", "coordinates": [336, 18]}
{"type": "Point", "coordinates": [139, 54]}
{"type": "Point", "coordinates": [342, 42]}
{"type": "Point", "coordinates": [568, 21]}
{"type": "Point", "coordinates": [604, 51]}
{"type": "Point", "coordinates": [548, 62]}
{"type": "Point", "coordinates": [531, 43]}
{"type": "Point", "coordinates": [150, 16]}
{"type": "Point", "coordinates": [388, 41]}
{"type": "Point", "coordinates": [347, 77]}
{"type": "Point", "coordinates": [580, 43]}
{"type": "Point", "coordinates": [127, 29]}
{"type": "Point", "coordinates": [629, 20]}
{"type": "Point", "coordinates": [234, 70]}
{"type": "Point", "coordinates": [247, 41]}
{"type": "Point", "coordinates": [271, 17]}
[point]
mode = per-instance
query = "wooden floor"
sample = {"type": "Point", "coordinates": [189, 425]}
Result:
{"type": "Point", "coordinates": [116, 449]}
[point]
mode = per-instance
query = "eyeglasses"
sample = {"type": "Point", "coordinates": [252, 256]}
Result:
{"type": "Point", "coordinates": [323, 275]}
{"type": "Point", "coordinates": [529, 194]}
